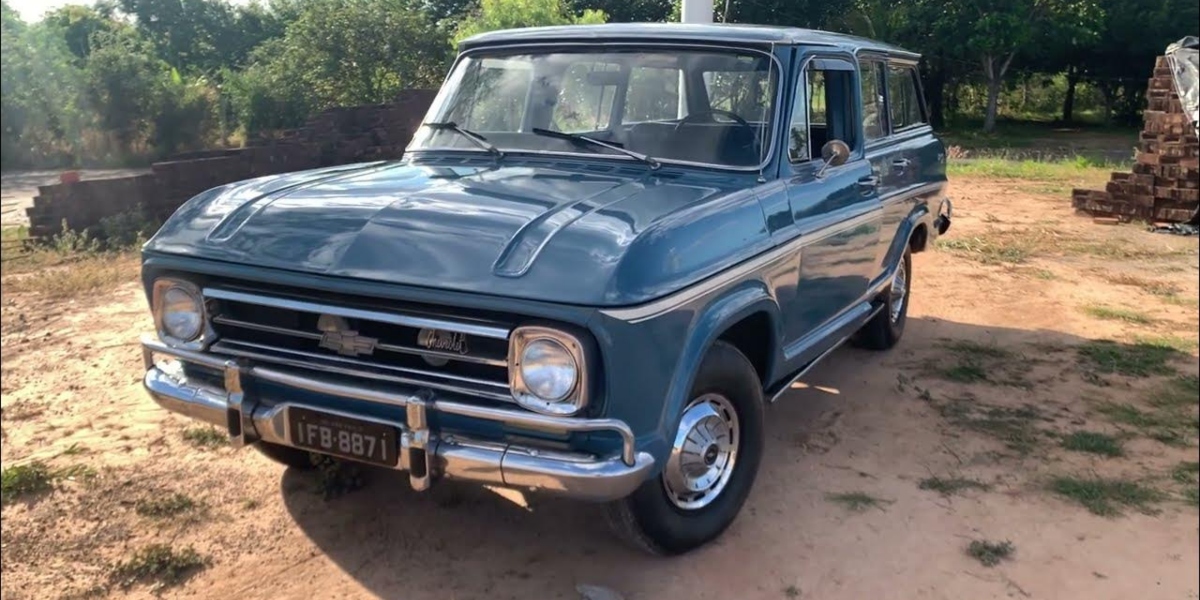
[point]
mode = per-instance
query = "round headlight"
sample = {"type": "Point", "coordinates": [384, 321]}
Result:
{"type": "Point", "coordinates": [548, 370]}
{"type": "Point", "coordinates": [182, 314]}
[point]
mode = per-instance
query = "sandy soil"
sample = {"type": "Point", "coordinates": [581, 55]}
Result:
{"type": "Point", "coordinates": [876, 423]}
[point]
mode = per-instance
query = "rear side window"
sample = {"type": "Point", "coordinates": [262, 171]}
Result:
{"type": "Point", "coordinates": [904, 105]}
{"type": "Point", "coordinates": [874, 114]}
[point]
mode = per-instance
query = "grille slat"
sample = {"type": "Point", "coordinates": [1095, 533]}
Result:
{"type": "Point", "coordinates": [460, 355]}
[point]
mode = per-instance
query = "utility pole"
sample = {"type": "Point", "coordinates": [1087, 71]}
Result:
{"type": "Point", "coordinates": [696, 11]}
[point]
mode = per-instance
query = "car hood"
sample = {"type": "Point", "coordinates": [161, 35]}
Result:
{"type": "Point", "coordinates": [570, 234]}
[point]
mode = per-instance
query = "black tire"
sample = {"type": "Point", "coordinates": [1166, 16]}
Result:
{"type": "Point", "coordinates": [882, 331]}
{"type": "Point", "coordinates": [648, 519]}
{"type": "Point", "coordinates": [289, 457]}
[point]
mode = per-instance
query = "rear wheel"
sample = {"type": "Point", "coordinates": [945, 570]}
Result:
{"type": "Point", "coordinates": [291, 457]}
{"type": "Point", "coordinates": [885, 329]}
{"type": "Point", "coordinates": [713, 462]}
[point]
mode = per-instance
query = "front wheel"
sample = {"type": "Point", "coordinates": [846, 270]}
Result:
{"type": "Point", "coordinates": [712, 465]}
{"type": "Point", "coordinates": [884, 329]}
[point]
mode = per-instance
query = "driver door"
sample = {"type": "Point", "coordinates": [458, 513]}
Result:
{"type": "Point", "coordinates": [836, 209]}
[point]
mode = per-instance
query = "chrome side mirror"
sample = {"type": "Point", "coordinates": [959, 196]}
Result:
{"type": "Point", "coordinates": [835, 153]}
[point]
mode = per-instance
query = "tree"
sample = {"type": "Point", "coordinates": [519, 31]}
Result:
{"type": "Point", "coordinates": [508, 14]}
{"type": "Point", "coordinates": [339, 53]}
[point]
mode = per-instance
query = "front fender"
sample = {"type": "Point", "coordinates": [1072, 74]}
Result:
{"type": "Point", "coordinates": [713, 320]}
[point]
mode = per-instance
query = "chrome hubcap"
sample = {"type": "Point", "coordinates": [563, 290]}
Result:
{"type": "Point", "coordinates": [899, 291]}
{"type": "Point", "coordinates": [704, 452]}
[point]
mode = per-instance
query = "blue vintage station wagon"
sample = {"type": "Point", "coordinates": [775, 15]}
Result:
{"type": "Point", "coordinates": [606, 250]}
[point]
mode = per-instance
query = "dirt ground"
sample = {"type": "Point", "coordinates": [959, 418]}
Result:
{"type": "Point", "coordinates": [997, 373]}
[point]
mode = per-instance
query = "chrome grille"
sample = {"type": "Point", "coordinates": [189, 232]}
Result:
{"type": "Point", "coordinates": [408, 347]}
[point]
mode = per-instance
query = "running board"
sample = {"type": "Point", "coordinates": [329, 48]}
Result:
{"type": "Point", "coordinates": [812, 363]}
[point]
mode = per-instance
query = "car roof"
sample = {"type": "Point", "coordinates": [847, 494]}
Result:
{"type": "Point", "coordinates": [683, 32]}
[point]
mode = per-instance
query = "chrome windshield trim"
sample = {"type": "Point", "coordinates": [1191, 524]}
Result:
{"type": "Point", "coordinates": [460, 385]}
{"type": "Point", "coordinates": [776, 111]}
{"type": "Point", "coordinates": [499, 333]}
{"type": "Point", "coordinates": [492, 362]}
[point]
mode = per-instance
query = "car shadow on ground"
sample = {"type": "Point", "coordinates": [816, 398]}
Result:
{"type": "Point", "coordinates": [397, 542]}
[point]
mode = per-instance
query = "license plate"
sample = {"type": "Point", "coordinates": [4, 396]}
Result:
{"type": "Point", "coordinates": [343, 436]}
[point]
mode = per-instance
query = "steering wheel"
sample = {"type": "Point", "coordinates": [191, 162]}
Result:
{"type": "Point", "coordinates": [752, 146]}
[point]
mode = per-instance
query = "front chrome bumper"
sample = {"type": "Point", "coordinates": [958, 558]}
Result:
{"type": "Point", "coordinates": [425, 455]}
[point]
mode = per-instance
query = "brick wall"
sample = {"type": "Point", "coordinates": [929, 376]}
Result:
{"type": "Point", "coordinates": [333, 137]}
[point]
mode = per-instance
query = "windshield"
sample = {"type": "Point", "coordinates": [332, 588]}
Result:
{"type": "Point", "coordinates": [712, 107]}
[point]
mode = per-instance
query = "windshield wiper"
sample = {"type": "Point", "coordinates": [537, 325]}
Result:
{"type": "Point", "coordinates": [577, 137]}
{"type": "Point", "coordinates": [479, 140]}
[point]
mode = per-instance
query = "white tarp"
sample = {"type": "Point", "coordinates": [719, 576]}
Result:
{"type": "Point", "coordinates": [1184, 58]}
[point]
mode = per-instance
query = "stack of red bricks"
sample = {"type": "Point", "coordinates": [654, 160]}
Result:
{"type": "Point", "coordinates": [1165, 182]}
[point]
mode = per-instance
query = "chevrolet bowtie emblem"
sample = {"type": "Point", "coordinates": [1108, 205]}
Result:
{"type": "Point", "coordinates": [337, 336]}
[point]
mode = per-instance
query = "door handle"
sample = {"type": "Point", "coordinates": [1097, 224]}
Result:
{"type": "Point", "coordinates": [868, 184]}
{"type": "Point", "coordinates": [900, 163]}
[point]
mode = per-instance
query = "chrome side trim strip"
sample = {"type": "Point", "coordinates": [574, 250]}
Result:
{"type": "Point", "coordinates": [816, 231]}
{"type": "Point", "coordinates": [494, 362]}
{"type": "Point", "coordinates": [806, 368]}
{"type": "Point", "coordinates": [500, 333]}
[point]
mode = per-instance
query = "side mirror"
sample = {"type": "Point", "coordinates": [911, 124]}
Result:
{"type": "Point", "coordinates": [835, 153]}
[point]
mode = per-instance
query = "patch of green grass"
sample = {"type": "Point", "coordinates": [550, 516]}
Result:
{"type": "Point", "coordinates": [964, 372]}
{"type": "Point", "coordinates": [25, 480]}
{"type": "Point", "coordinates": [1014, 427]}
{"type": "Point", "coordinates": [856, 501]}
{"type": "Point", "coordinates": [1093, 443]}
{"type": "Point", "coordinates": [1105, 497]}
{"type": "Point", "coordinates": [976, 362]}
{"type": "Point", "coordinates": [989, 554]}
{"type": "Point", "coordinates": [1077, 169]}
{"type": "Point", "coordinates": [1169, 426]}
{"type": "Point", "coordinates": [1188, 301]}
{"type": "Point", "coordinates": [1192, 496]}
{"type": "Point", "coordinates": [1150, 286]}
{"type": "Point", "coordinates": [949, 486]}
{"type": "Point", "coordinates": [1180, 391]}
{"type": "Point", "coordinates": [1141, 359]}
{"type": "Point", "coordinates": [791, 591]}
{"type": "Point", "coordinates": [1178, 343]}
{"type": "Point", "coordinates": [159, 564]}
{"type": "Point", "coordinates": [988, 250]}
{"type": "Point", "coordinates": [1125, 315]}
{"type": "Point", "coordinates": [1186, 472]}
{"type": "Point", "coordinates": [164, 506]}
{"type": "Point", "coordinates": [205, 437]}
{"type": "Point", "coordinates": [337, 477]}
{"type": "Point", "coordinates": [250, 503]}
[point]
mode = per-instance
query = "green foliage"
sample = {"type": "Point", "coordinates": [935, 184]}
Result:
{"type": "Point", "coordinates": [989, 554]}
{"type": "Point", "coordinates": [507, 14]}
{"type": "Point", "coordinates": [1105, 497]}
{"type": "Point", "coordinates": [159, 564]}
{"type": "Point", "coordinates": [1094, 443]}
{"type": "Point", "coordinates": [25, 480]}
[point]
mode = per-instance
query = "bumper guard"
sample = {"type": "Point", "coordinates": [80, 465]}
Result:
{"type": "Point", "coordinates": [424, 455]}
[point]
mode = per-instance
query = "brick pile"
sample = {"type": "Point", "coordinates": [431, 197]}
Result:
{"type": "Point", "coordinates": [1165, 182]}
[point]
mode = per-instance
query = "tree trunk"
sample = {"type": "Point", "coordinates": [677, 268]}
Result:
{"type": "Point", "coordinates": [1068, 109]}
{"type": "Point", "coordinates": [994, 69]}
{"type": "Point", "coordinates": [935, 96]}
{"type": "Point", "coordinates": [1108, 92]}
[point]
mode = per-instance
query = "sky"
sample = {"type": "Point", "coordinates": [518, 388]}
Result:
{"type": "Point", "coordinates": [32, 10]}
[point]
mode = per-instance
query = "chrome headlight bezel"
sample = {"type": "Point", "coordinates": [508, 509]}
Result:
{"type": "Point", "coordinates": [575, 399]}
{"type": "Point", "coordinates": [166, 285]}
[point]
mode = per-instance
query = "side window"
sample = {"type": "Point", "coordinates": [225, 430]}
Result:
{"type": "Point", "coordinates": [904, 105]}
{"type": "Point", "coordinates": [653, 94]}
{"type": "Point", "coordinates": [821, 112]}
{"type": "Point", "coordinates": [874, 113]}
{"type": "Point", "coordinates": [585, 98]}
